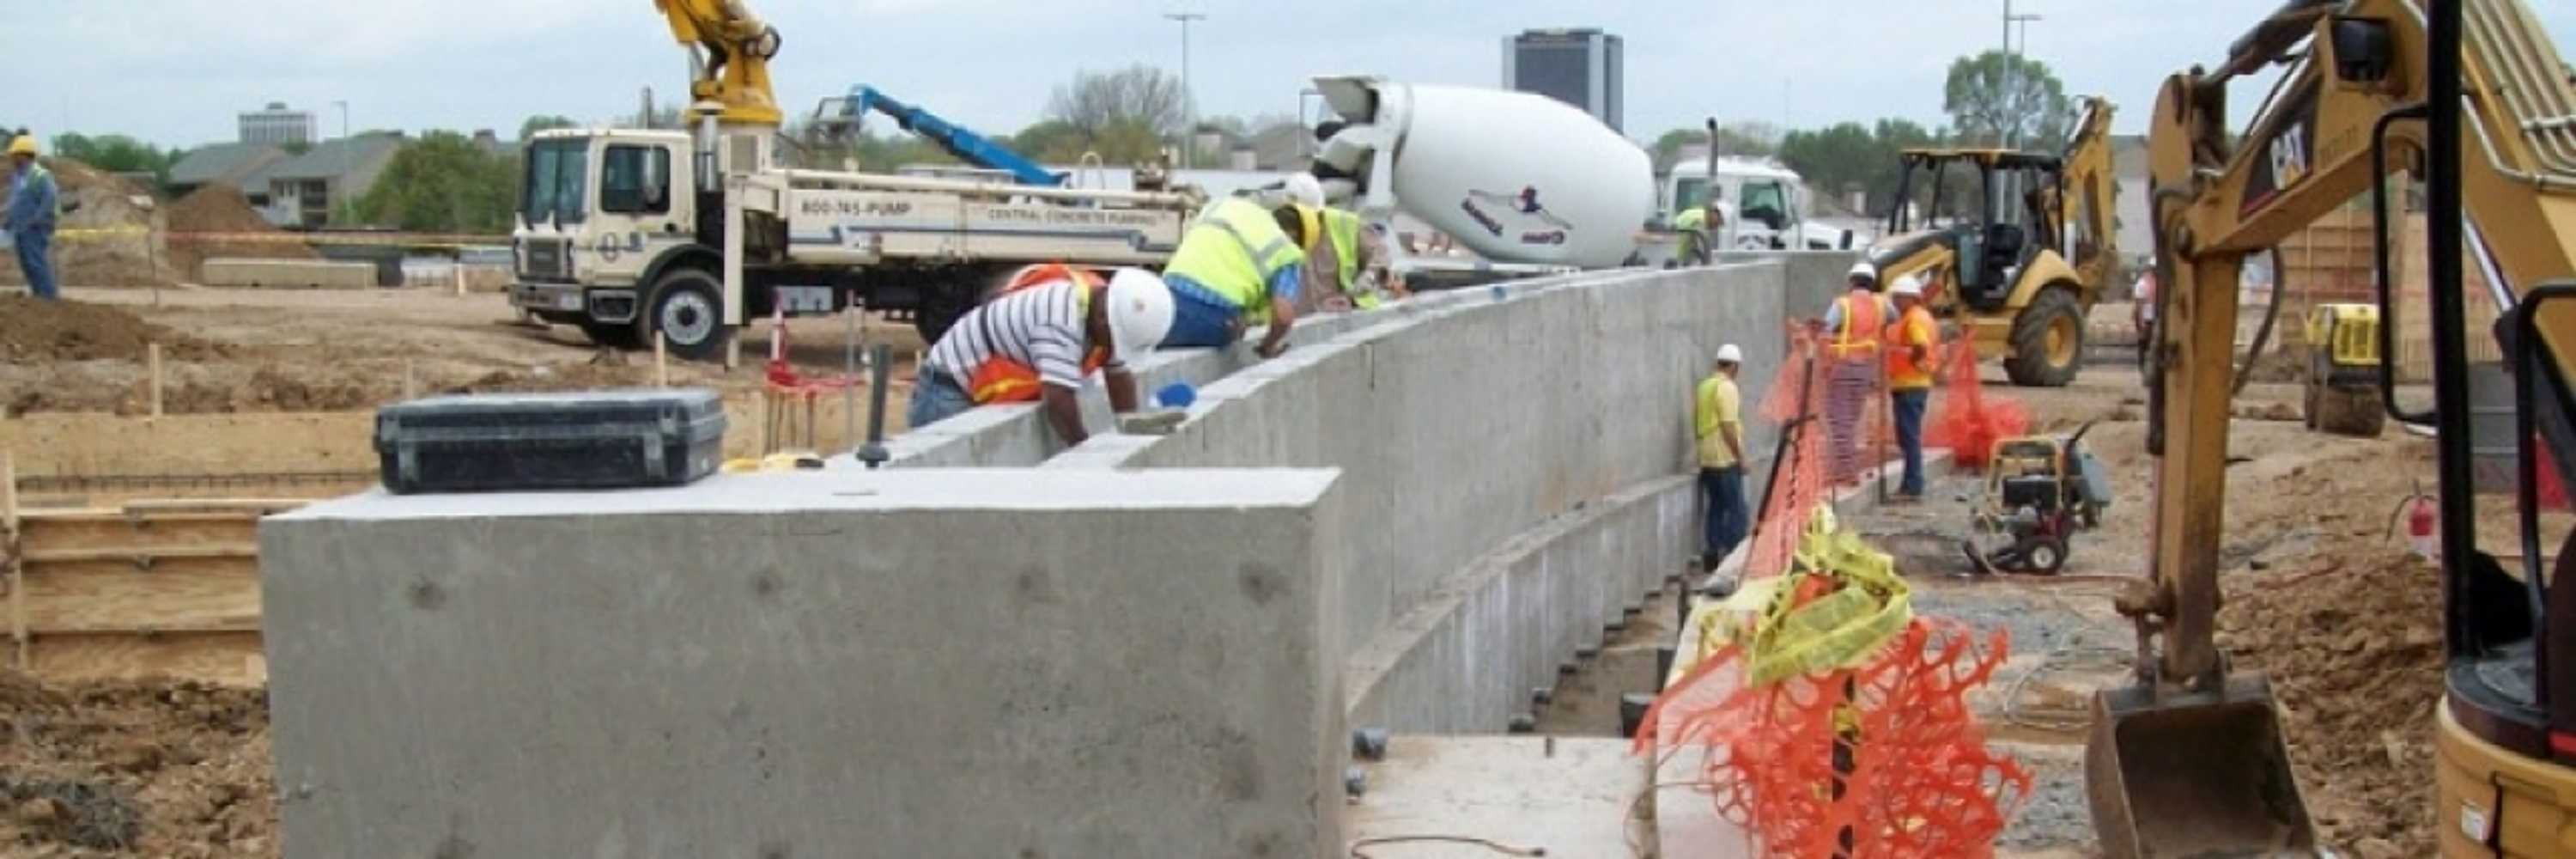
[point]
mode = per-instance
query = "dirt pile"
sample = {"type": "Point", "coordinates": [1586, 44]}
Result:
{"type": "Point", "coordinates": [106, 239]}
{"type": "Point", "coordinates": [33, 330]}
{"type": "Point", "coordinates": [159, 769]}
{"type": "Point", "coordinates": [220, 208]}
{"type": "Point", "coordinates": [2352, 641]}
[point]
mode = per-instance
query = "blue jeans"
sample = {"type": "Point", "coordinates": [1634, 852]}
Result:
{"type": "Point", "coordinates": [935, 398]}
{"type": "Point", "coordinates": [1909, 435]}
{"type": "Point", "coordinates": [1200, 317]}
{"type": "Point", "coordinates": [1721, 492]}
{"type": "Point", "coordinates": [33, 261]}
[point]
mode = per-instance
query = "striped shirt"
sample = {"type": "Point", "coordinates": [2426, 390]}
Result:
{"type": "Point", "coordinates": [1040, 326]}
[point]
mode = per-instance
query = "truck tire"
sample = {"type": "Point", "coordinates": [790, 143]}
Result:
{"type": "Point", "coordinates": [687, 309]}
{"type": "Point", "coordinates": [610, 334]}
{"type": "Point", "coordinates": [941, 307]}
{"type": "Point", "coordinates": [2047, 344]}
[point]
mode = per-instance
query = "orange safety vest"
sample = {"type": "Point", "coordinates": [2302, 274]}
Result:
{"type": "Point", "coordinates": [1900, 359]}
{"type": "Point", "coordinates": [1862, 326]}
{"type": "Point", "coordinates": [1002, 380]}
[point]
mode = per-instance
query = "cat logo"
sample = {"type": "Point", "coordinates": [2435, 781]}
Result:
{"type": "Point", "coordinates": [2289, 153]}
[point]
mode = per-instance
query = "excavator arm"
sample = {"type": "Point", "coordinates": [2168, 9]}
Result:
{"type": "Point", "coordinates": [2085, 197]}
{"type": "Point", "coordinates": [2362, 96]}
{"type": "Point", "coordinates": [729, 53]}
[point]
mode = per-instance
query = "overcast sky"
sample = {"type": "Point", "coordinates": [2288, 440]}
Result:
{"type": "Point", "coordinates": [176, 71]}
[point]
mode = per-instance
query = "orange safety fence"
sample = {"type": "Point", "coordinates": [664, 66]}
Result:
{"type": "Point", "coordinates": [1967, 421]}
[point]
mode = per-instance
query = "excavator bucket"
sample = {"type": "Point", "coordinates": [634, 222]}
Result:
{"type": "Point", "coordinates": [2193, 775]}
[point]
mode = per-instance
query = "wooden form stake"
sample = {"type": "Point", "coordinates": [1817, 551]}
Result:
{"type": "Point", "coordinates": [411, 380]}
{"type": "Point", "coordinates": [17, 551]}
{"type": "Point", "coordinates": [152, 355]}
{"type": "Point", "coordinates": [661, 359]}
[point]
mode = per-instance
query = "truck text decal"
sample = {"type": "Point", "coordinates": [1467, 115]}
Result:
{"type": "Point", "coordinates": [864, 208]}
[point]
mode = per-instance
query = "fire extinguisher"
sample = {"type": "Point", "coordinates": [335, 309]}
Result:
{"type": "Point", "coordinates": [2420, 515]}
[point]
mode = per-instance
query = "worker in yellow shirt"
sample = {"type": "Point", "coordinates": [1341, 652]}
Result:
{"type": "Point", "coordinates": [1720, 429]}
{"type": "Point", "coordinates": [1910, 343]}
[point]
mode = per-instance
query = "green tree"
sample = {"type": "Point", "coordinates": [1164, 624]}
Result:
{"type": "Point", "coordinates": [1995, 99]}
{"type": "Point", "coordinates": [117, 153]}
{"type": "Point", "coordinates": [534, 124]}
{"type": "Point", "coordinates": [1850, 156]}
{"type": "Point", "coordinates": [1053, 141]}
{"type": "Point", "coordinates": [442, 182]}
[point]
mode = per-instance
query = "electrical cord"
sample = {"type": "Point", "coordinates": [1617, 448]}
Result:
{"type": "Point", "coordinates": [1496, 846]}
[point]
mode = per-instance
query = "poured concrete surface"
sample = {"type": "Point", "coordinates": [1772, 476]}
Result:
{"type": "Point", "coordinates": [906, 663]}
{"type": "Point", "coordinates": [1570, 797]}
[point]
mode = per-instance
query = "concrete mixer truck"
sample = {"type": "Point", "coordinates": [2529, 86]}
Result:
{"type": "Point", "coordinates": [1528, 183]}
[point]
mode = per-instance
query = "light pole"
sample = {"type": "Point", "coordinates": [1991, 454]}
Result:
{"type": "Point", "coordinates": [2012, 137]}
{"type": "Point", "coordinates": [1189, 110]}
{"type": "Point", "coordinates": [338, 184]}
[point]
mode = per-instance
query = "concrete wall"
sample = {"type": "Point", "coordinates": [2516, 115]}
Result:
{"type": "Point", "coordinates": [906, 663]}
{"type": "Point", "coordinates": [306, 274]}
{"type": "Point", "coordinates": [1471, 423]}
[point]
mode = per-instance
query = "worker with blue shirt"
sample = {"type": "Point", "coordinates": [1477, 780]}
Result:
{"type": "Point", "coordinates": [30, 216]}
{"type": "Point", "coordinates": [1241, 264]}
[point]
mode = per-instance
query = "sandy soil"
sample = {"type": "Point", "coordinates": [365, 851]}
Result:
{"type": "Point", "coordinates": [308, 350]}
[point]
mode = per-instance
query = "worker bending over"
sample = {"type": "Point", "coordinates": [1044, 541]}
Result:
{"type": "Point", "coordinates": [1240, 265]}
{"type": "Point", "coordinates": [29, 217]}
{"type": "Point", "coordinates": [1909, 377]}
{"type": "Point", "coordinates": [1051, 327]}
{"type": "Point", "coordinates": [1854, 327]}
{"type": "Point", "coordinates": [1345, 263]}
{"type": "Point", "coordinates": [1719, 425]}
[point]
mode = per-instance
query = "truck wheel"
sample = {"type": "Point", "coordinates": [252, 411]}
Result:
{"type": "Point", "coordinates": [610, 334]}
{"type": "Point", "coordinates": [2047, 345]}
{"type": "Point", "coordinates": [941, 307]}
{"type": "Point", "coordinates": [687, 308]}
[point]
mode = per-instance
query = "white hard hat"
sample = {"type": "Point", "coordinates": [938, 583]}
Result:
{"type": "Point", "coordinates": [1863, 269]}
{"type": "Point", "coordinates": [1908, 285]}
{"type": "Point", "coordinates": [1140, 313]}
{"type": "Point", "coordinates": [1304, 190]}
{"type": "Point", "coordinates": [1728, 354]}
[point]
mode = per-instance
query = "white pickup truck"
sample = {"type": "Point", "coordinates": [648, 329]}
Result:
{"type": "Point", "coordinates": [631, 234]}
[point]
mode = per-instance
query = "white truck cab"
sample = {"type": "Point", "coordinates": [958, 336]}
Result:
{"type": "Point", "coordinates": [1765, 205]}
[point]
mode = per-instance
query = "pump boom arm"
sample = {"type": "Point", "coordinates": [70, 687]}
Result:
{"type": "Point", "coordinates": [959, 141]}
{"type": "Point", "coordinates": [729, 55]}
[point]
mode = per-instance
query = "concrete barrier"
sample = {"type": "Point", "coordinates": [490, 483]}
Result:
{"type": "Point", "coordinates": [904, 663]}
{"type": "Point", "coordinates": [301, 274]}
{"type": "Point", "coordinates": [1814, 278]}
{"type": "Point", "coordinates": [1476, 421]}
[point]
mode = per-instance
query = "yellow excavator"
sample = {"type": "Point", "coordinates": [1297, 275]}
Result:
{"type": "Point", "coordinates": [2022, 269]}
{"type": "Point", "coordinates": [2470, 96]}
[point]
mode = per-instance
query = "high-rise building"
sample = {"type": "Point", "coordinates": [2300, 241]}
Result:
{"type": "Point", "coordinates": [277, 126]}
{"type": "Point", "coordinates": [1578, 66]}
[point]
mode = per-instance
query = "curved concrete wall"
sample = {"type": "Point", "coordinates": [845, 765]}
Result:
{"type": "Point", "coordinates": [1469, 423]}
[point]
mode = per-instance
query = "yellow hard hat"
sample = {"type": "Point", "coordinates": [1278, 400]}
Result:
{"type": "Point", "coordinates": [1313, 221]}
{"type": "Point", "coordinates": [23, 144]}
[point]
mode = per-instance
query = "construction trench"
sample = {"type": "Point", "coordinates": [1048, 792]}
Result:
{"type": "Point", "coordinates": [1147, 645]}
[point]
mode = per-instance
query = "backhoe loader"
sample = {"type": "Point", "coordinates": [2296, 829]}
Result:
{"type": "Point", "coordinates": [2030, 256]}
{"type": "Point", "coordinates": [2471, 97]}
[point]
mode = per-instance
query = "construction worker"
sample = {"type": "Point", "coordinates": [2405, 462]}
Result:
{"type": "Point", "coordinates": [1050, 329]}
{"type": "Point", "coordinates": [1909, 376]}
{"type": "Point", "coordinates": [1719, 426]}
{"type": "Point", "coordinates": [1345, 262]}
{"type": "Point", "coordinates": [1852, 330]}
{"type": "Point", "coordinates": [1241, 265]}
{"type": "Point", "coordinates": [29, 217]}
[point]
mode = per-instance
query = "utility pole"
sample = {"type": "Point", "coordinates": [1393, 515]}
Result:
{"type": "Point", "coordinates": [2015, 107]}
{"type": "Point", "coordinates": [1189, 107]}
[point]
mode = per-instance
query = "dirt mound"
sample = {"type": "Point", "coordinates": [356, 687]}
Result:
{"type": "Point", "coordinates": [221, 208]}
{"type": "Point", "coordinates": [152, 769]}
{"type": "Point", "coordinates": [32, 330]}
{"type": "Point", "coordinates": [2352, 641]}
{"type": "Point", "coordinates": [108, 239]}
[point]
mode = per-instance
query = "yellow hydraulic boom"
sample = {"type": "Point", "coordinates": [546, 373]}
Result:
{"type": "Point", "coordinates": [729, 52]}
{"type": "Point", "coordinates": [2471, 97]}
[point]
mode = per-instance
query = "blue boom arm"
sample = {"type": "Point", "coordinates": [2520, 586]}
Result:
{"type": "Point", "coordinates": [968, 146]}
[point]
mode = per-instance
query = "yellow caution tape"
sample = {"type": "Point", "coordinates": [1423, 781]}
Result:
{"type": "Point", "coordinates": [1868, 608]}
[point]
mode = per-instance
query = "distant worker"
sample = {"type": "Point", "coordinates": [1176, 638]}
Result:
{"type": "Point", "coordinates": [1345, 263]}
{"type": "Point", "coordinates": [1048, 331]}
{"type": "Point", "coordinates": [30, 216]}
{"type": "Point", "coordinates": [1719, 426]}
{"type": "Point", "coordinates": [2142, 315]}
{"type": "Point", "coordinates": [1910, 344]}
{"type": "Point", "coordinates": [1241, 265]}
{"type": "Point", "coordinates": [1852, 327]}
